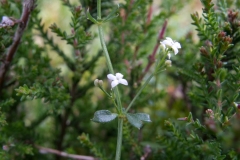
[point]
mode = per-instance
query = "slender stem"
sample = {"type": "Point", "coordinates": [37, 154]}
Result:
{"type": "Point", "coordinates": [105, 92]}
{"type": "Point", "coordinates": [104, 47]}
{"type": "Point", "coordinates": [99, 16]}
{"type": "Point", "coordinates": [63, 154]}
{"type": "Point", "coordinates": [109, 64]}
{"type": "Point", "coordinates": [139, 92]}
{"type": "Point", "coordinates": [159, 66]}
{"type": "Point", "coordinates": [119, 139]}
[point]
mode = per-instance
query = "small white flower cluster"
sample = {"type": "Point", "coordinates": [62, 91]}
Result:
{"type": "Point", "coordinates": [6, 21]}
{"type": "Point", "coordinates": [115, 80]}
{"type": "Point", "coordinates": [118, 79]}
{"type": "Point", "coordinates": [170, 44]}
{"type": "Point", "coordinates": [167, 44]}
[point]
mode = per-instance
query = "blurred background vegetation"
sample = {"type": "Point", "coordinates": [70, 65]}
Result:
{"type": "Point", "coordinates": [48, 97]}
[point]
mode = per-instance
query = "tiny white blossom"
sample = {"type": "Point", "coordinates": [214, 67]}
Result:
{"type": "Point", "coordinates": [117, 79]}
{"type": "Point", "coordinates": [169, 43]}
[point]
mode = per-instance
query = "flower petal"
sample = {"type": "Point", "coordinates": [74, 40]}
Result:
{"type": "Point", "coordinates": [123, 81]}
{"type": "Point", "coordinates": [169, 39]}
{"type": "Point", "coordinates": [163, 46]}
{"type": "Point", "coordinates": [119, 76]}
{"type": "Point", "coordinates": [114, 83]}
{"type": "Point", "coordinates": [111, 77]}
{"type": "Point", "coordinates": [177, 45]}
{"type": "Point", "coordinates": [175, 49]}
{"type": "Point", "coordinates": [167, 43]}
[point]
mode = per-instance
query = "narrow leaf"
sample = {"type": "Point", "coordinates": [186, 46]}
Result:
{"type": "Point", "coordinates": [91, 18]}
{"type": "Point", "coordinates": [112, 15]}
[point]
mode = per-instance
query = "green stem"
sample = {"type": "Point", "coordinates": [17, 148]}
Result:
{"type": "Point", "coordinates": [104, 47]}
{"type": "Point", "coordinates": [119, 139]}
{"type": "Point", "coordinates": [159, 66]}
{"type": "Point", "coordinates": [139, 92]}
{"type": "Point", "coordinates": [99, 16]}
{"type": "Point", "coordinates": [109, 64]}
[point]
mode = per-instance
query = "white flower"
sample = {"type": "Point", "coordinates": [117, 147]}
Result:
{"type": "Point", "coordinates": [169, 43]}
{"type": "Point", "coordinates": [117, 79]}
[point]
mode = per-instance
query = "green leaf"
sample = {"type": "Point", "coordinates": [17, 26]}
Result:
{"type": "Point", "coordinates": [112, 15]}
{"type": "Point", "coordinates": [137, 118]}
{"type": "Point", "coordinates": [103, 116]}
{"type": "Point", "coordinates": [134, 120]}
{"type": "Point", "coordinates": [143, 117]}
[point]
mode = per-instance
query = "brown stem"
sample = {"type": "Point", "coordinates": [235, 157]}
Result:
{"type": "Point", "coordinates": [45, 150]}
{"type": "Point", "coordinates": [28, 6]}
{"type": "Point", "coordinates": [75, 44]}
{"type": "Point", "coordinates": [219, 101]}
{"type": "Point", "coordinates": [130, 5]}
{"type": "Point", "coordinates": [151, 58]}
{"type": "Point", "coordinates": [135, 53]}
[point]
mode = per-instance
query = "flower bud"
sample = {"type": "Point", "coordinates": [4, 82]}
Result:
{"type": "Point", "coordinates": [208, 43]}
{"type": "Point", "coordinates": [210, 113]}
{"type": "Point", "coordinates": [236, 105]}
{"type": "Point", "coordinates": [96, 81]}
{"type": "Point", "coordinates": [100, 82]}
{"type": "Point", "coordinates": [183, 119]}
{"type": "Point", "coordinates": [78, 9]}
{"type": "Point", "coordinates": [204, 51]}
{"type": "Point", "coordinates": [168, 63]}
{"type": "Point", "coordinates": [221, 35]}
{"type": "Point", "coordinates": [219, 64]}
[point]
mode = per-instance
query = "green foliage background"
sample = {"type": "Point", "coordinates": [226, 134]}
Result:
{"type": "Point", "coordinates": [48, 96]}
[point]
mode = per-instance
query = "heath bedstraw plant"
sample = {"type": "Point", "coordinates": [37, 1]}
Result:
{"type": "Point", "coordinates": [136, 119]}
{"type": "Point", "coordinates": [47, 97]}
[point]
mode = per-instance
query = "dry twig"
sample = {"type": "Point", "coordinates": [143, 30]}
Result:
{"type": "Point", "coordinates": [28, 6]}
{"type": "Point", "coordinates": [64, 154]}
